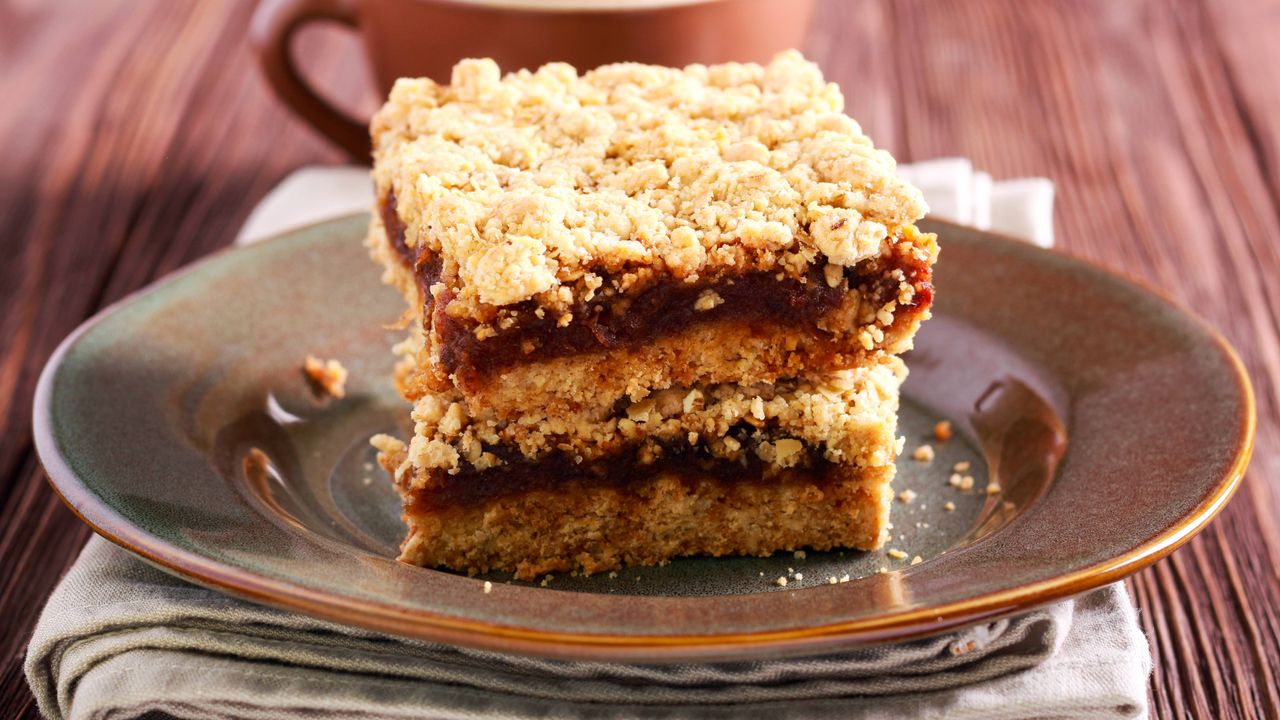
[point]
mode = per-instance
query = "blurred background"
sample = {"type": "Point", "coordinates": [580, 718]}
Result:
{"type": "Point", "coordinates": [136, 135]}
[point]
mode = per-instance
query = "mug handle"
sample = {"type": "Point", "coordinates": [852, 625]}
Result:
{"type": "Point", "coordinates": [271, 32]}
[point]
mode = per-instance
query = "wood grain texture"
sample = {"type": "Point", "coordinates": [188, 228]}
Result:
{"type": "Point", "coordinates": [136, 136]}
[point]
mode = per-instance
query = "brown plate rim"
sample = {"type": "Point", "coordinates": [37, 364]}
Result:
{"type": "Point", "coordinates": [438, 627]}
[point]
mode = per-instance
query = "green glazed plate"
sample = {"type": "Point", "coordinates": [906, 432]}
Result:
{"type": "Point", "coordinates": [1114, 424]}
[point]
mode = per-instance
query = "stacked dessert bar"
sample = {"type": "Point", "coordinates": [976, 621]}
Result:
{"type": "Point", "coordinates": [653, 312]}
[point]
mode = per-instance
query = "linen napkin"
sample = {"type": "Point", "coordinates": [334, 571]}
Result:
{"type": "Point", "coordinates": [119, 638]}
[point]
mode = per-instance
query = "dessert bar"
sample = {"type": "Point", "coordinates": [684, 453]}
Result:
{"type": "Point", "coordinates": [715, 471]}
{"type": "Point", "coordinates": [651, 312]}
{"type": "Point", "coordinates": [568, 241]}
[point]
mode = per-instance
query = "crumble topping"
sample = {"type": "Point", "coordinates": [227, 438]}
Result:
{"type": "Point", "coordinates": [545, 185]}
{"type": "Point", "coordinates": [848, 416]}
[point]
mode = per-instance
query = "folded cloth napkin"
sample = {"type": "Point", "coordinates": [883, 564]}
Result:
{"type": "Point", "coordinates": [120, 638]}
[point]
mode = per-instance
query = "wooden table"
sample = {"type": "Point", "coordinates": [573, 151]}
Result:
{"type": "Point", "coordinates": [135, 135]}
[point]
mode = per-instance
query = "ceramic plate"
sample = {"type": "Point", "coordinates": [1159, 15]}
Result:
{"type": "Point", "coordinates": [1114, 424]}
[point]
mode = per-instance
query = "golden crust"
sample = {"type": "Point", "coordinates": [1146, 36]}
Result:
{"type": "Point", "coordinates": [543, 185]}
{"type": "Point", "coordinates": [591, 530]}
{"type": "Point", "coordinates": [848, 416]}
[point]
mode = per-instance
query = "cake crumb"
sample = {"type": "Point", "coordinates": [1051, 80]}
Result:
{"type": "Point", "coordinates": [547, 580]}
{"type": "Point", "coordinates": [799, 554]}
{"type": "Point", "coordinates": [844, 578]}
{"type": "Point", "coordinates": [488, 587]}
{"type": "Point", "coordinates": [613, 574]}
{"type": "Point", "coordinates": [923, 454]}
{"type": "Point", "coordinates": [949, 506]}
{"type": "Point", "coordinates": [327, 375]}
{"type": "Point", "coordinates": [993, 488]}
{"type": "Point", "coordinates": [832, 580]}
{"type": "Point", "coordinates": [833, 274]}
{"type": "Point", "coordinates": [882, 570]}
{"type": "Point", "coordinates": [917, 560]}
{"type": "Point", "coordinates": [962, 466]}
{"type": "Point", "coordinates": [960, 482]}
{"type": "Point", "coordinates": [906, 496]}
{"type": "Point", "coordinates": [799, 576]}
{"type": "Point", "coordinates": [897, 554]}
{"type": "Point", "coordinates": [781, 581]}
{"type": "Point", "coordinates": [942, 430]}
{"type": "Point", "coordinates": [707, 300]}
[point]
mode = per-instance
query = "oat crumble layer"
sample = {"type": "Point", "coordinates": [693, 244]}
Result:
{"type": "Point", "coordinates": [847, 417]}
{"type": "Point", "coordinates": [718, 470]}
{"type": "Point", "coordinates": [548, 188]}
{"type": "Point", "coordinates": [673, 512]}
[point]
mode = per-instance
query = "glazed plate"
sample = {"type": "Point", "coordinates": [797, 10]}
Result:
{"type": "Point", "coordinates": [1112, 424]}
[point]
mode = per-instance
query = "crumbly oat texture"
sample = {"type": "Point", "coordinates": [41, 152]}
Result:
{"type": "Point", "coordinates": [653, 312]}
{"type": "Point", "coordinates": [807, 463]}
{"type": "Point", "coordinates": [848, 416]}
{"type": "Point", "coordinates": [543, 185]}
{"type": "Point", "coordinates": [597, 529]}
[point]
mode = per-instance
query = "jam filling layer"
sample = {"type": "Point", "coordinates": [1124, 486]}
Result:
{"type": "Point", "coordinates": [627, 471]}
{"type": "Point", "coordinates": [660, 309]}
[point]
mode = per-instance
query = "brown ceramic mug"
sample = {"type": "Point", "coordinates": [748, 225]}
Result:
{"type": "Point", "coordinates": [424, 38]}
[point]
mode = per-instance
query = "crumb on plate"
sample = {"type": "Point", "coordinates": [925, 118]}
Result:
{"type": "Point", "coordinates": [327, 375]}
{"type": "Point", "coordinates": [942, 430]}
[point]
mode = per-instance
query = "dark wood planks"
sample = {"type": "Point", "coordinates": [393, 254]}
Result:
{"type": "Point", "coordinates": [1147, 114]}
{"type": "Point", "coordinates": [136, 136]}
